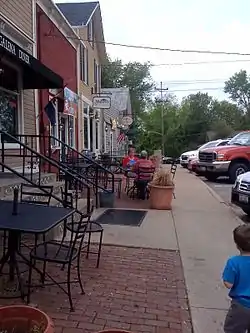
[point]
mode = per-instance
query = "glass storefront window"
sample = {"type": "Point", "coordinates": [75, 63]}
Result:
{"type": "Point", "coordinates": [97, 135]}
{"type": "Point", "coordinates": [8, 112]}
{"type": "Point", "coordinates": [86, 133]}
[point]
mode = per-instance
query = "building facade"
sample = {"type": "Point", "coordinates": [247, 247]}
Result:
{"type": "Point", "coordinates": [16, 31]}
{"type": "Point", "coordinates": [86, 20]}
{"type": "Point", "coordinates": [115, 141]}
{"type": "Point", "coordinates": [21, 74]}
{"type": "Point", "coordinates": [57, 48]}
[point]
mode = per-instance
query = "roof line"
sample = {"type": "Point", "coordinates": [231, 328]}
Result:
{"type": "Point", "coordinates": [93, 12]}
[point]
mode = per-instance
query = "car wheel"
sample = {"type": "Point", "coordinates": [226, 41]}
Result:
{"type": "Point", "coordinates": [211, 177]}
{"type": "Point", "coordinates": [246, 211]}
{"type": "Point", "coordinates": [184, 166]}
{"type": "Point", "coordinates": [237, 169]}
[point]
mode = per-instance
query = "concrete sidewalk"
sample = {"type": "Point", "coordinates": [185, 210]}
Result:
{"type": "Point", "coordinates": [200, 226]}
{"type": "Point", "coordinates": [204, 235]}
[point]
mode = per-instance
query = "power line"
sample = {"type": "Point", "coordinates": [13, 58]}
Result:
{"type": "Point", "coordinates": [189, 63]}
{"type": "Point", "coordinates": [147, 47]}
{"type": "Point", "coordinates": [202, 62]}
{"type": "Point", "coordinates": [182, 82]}
{"type": "Point", "coordinates": [195, 89]}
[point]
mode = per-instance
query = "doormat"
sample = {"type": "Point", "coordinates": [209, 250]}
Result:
{"type": "Point", "coordinates": [125, 217]}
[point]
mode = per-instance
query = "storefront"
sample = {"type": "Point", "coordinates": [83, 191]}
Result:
{"type": "Point", "coordinates": [91, 129]}
{"type": "Point", "coordinates": [19, 72]}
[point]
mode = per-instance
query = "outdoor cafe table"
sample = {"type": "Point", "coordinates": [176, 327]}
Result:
{"type": "Point", "coordinates": [29, 219]}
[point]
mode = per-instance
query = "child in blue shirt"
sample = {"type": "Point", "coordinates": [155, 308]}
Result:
{"type": "Point", "coordinates": [236, 277]}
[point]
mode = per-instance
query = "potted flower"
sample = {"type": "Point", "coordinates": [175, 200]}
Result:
{"type": "Point", "coordinates": [161, 190]}
{"type": "Point", "coordinates": [24, 319]}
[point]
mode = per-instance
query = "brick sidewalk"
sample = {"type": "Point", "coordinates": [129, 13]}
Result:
{"type": "Point", "coordinates": [141, 290]}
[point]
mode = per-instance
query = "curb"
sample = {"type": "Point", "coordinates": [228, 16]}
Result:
{"type": "Point", "coordinates": [221, 200]}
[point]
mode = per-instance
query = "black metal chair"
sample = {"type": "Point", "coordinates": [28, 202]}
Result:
{"type": "Point", "coordinates": [144, 175]}
{"type": "Point", "coordinates": [93, 227]}
{"type": "Point", "coordinates": [64, 253]}
{"type": "Point", "coordinates": [31, 194]}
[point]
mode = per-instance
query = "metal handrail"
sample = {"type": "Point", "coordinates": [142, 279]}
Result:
{"type": "Point", "coordinates": [35, 154]}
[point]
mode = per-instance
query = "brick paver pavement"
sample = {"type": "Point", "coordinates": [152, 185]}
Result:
{"type": "Point", "coordinates": [141, 290]}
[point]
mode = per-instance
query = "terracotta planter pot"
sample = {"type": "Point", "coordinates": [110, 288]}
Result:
{"type": "Point", "coordinates": [24, 319]}
{"type": "Point", "coordinates": [114, 331]}
{"type": "Point", "coordinates": [161, 197]}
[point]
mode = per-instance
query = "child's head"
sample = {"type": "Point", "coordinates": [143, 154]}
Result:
{"type": "Point", "coordinates": [241, 236]}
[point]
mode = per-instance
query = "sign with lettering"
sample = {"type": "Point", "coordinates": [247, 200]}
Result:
{"type": "Point", "coordinates": [101, 102]}
{"type": "Point", "coordinates": [14, 49]}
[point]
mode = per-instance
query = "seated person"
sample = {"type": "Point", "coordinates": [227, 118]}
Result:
{"type": "Point", "coordinates": [130, 160]}
{"type": "Point", "coordinates": [144, 169]}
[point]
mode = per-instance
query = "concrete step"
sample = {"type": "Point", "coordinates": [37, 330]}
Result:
{"type": "Point", "coordinates": [9, 181]}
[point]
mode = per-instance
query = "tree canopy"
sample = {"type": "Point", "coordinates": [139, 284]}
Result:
{"type": "Point", "coordinates": [197, 118]}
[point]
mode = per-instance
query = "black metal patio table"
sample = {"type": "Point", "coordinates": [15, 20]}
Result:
{"type": "Point", "coordinates": [19, 218]}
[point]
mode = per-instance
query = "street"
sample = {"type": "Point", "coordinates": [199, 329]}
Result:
{"type": "Point", "coordinates": [223, 188]}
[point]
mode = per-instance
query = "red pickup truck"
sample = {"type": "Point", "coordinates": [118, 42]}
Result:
{"type": "Point", "coordinates": [230, 160]}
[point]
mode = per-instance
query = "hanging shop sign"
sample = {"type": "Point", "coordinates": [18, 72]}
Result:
{"type": "Point", "coordinates": [70, 102]}
{"type": "Point", "coordinates": [127, 121]}
{"type": "Point", "coordinates": [101, 102]}
{"type": "Point", "coordinates": [14, 49]}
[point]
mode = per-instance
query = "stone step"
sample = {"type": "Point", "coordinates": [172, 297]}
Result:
{"type": "Point", "coordinates": [9, 182]}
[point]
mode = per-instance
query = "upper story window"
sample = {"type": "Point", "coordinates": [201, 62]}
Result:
{"type": "Point", "coordinates": [96, 76]}
{"type": "Point", "coordinates": [84, 66]}
{"type": "Point", "coordinates": [91, 33]}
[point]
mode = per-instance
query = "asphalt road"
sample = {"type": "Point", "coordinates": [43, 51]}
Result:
{"type": "Point", "coordinates": [223, 188]}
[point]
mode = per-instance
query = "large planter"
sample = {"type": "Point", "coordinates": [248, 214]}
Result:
{"type": "Point", "coordinates": [161, 197]}
{"type": "Point", "coordinates": [24, 319]}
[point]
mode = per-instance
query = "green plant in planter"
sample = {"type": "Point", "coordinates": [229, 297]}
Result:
{"type": "Point", "coordinates": [29, 329]}
{"type": "Point", "coordinates": [162, 177]}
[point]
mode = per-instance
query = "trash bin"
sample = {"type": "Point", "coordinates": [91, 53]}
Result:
{"type": "Point", "coordinates": [106, 199]}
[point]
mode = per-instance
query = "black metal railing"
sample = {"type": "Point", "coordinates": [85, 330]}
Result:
{"type": "Point", "coordinates": [95, 175]}
{"type": "Point", "coordinates": [70, 156]}
{"type": "Point", "coordinates": [31, 166]}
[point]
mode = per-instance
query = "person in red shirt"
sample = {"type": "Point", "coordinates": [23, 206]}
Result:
{"type": "Point", "coordinates": [144, 169]}
{"type": "Point", "coordinates": [130, 160]}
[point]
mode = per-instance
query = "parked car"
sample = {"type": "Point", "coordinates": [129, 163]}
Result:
{"type": "Point", "coordinates": [193, 154]}
{"type": "Point", "coordinates": [170, 160]}
{"type": "Point", "coordinates": [231, 160]}
{"type": "Point", "coordinates": [240, 194]}
{"type": "Point", "coordinates": [192, 164]}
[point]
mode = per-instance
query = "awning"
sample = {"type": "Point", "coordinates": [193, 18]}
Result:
{"type": "Point", "coordinates": [35, 74]}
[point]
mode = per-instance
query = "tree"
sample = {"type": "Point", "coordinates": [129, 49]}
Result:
{"type": "Point", "coordinates": [238, 88]}
{"type": "Point", "coordinates": [133, 75]}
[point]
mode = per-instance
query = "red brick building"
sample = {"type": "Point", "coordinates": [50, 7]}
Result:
{"type": "Point", "coordinates": [58, 52]}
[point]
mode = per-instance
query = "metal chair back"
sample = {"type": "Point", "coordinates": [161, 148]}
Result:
{"type": "Point", "coordinates": [32, 194]}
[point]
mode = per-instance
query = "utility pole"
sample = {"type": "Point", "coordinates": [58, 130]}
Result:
{"type": "Point", "coordinates": [161, 90]}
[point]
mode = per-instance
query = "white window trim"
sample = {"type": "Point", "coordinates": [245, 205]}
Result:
{"type": "Point", "coordinates": [74, 128]}
{"type": "Point", "coordinates": [56, 146]}
{"type": "Point", "coordinates": [86, 118]}
{"type": "Point", "coordinates": [111, 142]}
{"type": "Point", "coordinates": [20, 115]}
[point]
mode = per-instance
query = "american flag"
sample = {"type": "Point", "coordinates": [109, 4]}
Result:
{"type": "Point", "coordinates": [121, 137]}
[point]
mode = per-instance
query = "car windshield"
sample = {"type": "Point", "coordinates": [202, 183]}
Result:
{"type": "Point", "coordinates": [241, 139]}
{"type": "Point", "coordinates": [208, 145]}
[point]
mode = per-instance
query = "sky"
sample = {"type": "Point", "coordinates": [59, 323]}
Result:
{"type": "Point", "coordinates": [216, 25]}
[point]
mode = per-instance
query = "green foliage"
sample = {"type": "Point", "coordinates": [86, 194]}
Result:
{"type": "Point", "coordinates": [197, 119]}
{"type": "Point", "coordinates": [238, 88]}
